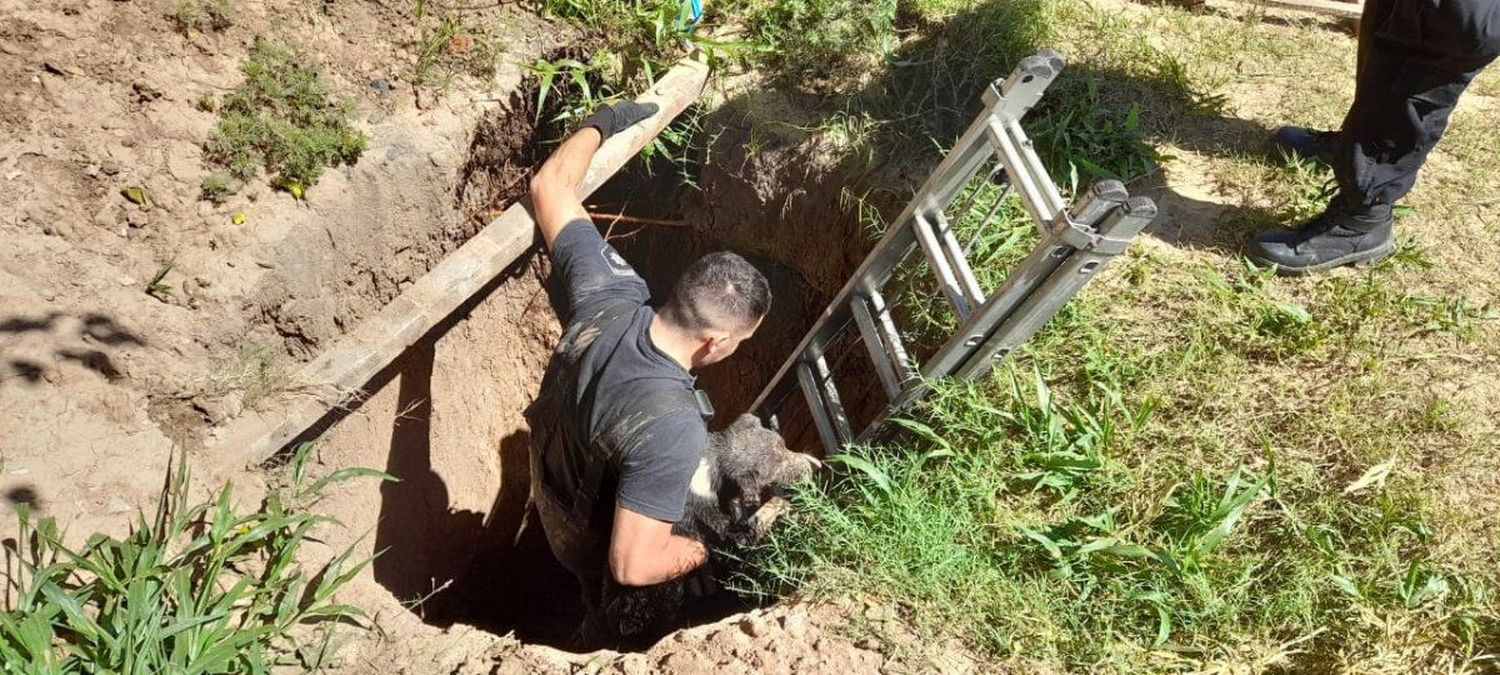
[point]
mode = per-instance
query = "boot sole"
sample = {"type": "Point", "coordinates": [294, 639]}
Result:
{"type": "Point", "coordinates": [1361, 258]}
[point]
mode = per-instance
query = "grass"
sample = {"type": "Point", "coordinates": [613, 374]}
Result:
{"type": "Point", "coordinates": [157, 287]}
{"type": "Point", "coordinates": [284, 119]}
{"type": "Point", "coordinates": [203, 16]}
{"type": "Point", "coordinates": [197, 588]}
{"type": "Point", "coordinates": [447, 46]}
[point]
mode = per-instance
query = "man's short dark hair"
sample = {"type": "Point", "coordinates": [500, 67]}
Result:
{"type": "Point", "coordinates": [718, 291]}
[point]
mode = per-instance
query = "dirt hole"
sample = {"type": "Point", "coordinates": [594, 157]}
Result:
{"type": "Point", "coordinates": [483, 568]}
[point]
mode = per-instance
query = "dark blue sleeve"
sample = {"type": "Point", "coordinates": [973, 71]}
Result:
{"type": "Point", "coordinates": [658, 464]}
{"type": "Point", "coordinates": [591, 272]}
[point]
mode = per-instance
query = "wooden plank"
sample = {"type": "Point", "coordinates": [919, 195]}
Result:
{"type": "Point", "coordinates": [340, 373]}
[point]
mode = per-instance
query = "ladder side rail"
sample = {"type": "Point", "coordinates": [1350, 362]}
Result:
{"type": "Point", "coordinates": [1024, 279]}
{"type": "Point", "coordinates": [968, 154]}
{"type": "Point", "coordinates": [1117, 231]}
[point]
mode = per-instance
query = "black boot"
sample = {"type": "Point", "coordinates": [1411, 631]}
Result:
{"type": "Point", "coordinates": [1339, 236]}
{"type": "Point", "coordinates": [1309, 143]}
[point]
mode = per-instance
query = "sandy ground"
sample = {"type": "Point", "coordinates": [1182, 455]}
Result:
{"type": "Point", "coordinates": [101, 381]}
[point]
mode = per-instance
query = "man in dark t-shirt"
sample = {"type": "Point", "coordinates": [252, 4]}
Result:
{"type": "Point", "coordinates": [618, 429]}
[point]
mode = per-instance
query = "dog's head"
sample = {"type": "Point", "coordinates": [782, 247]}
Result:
{"type": "Point", "coordinates": [753, 463]}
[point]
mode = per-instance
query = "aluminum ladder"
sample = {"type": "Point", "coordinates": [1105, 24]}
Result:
{"type": "Point", "coordinates": [1075, 243]}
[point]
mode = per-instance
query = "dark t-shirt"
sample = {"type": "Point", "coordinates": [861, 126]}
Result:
{"type": "Point", "coordinates": [622, 413]}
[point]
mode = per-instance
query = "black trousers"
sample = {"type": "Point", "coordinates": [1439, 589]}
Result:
{"type": "Point", "coordinates": [1416, 57]}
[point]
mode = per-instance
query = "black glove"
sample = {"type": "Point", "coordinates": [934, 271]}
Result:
{"type": "Point", "coordinates": [611, 119]}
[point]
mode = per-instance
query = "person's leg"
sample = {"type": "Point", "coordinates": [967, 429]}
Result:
{"type": "Point", "coordinates": [1407, 88]}
{"type": "Point", "coordinates": [1320, 144]}
{"type": "Point", "coordinates": [1412, 70]}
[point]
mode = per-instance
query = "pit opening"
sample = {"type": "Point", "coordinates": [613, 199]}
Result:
{"type": "Point", "coordinates": [478, 566]}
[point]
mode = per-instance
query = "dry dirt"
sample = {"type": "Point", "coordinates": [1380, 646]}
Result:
{"type": "Point", "coordinates": [100, 380]}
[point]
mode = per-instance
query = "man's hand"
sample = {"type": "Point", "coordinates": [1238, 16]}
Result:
{"type": "Point", "coordinates": [700, 583]}
{"type": "Point", "coordinates": [614, 118]}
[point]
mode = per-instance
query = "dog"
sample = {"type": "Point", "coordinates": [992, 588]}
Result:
{"type": "Point", "coordinates": [732, 502]}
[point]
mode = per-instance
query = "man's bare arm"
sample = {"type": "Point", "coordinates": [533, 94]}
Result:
{"type": "Point", "coordinates": [554, 189]}
{"type": "Point", "coordinates": [555, 201]}
{"type": "Point", "coordinates": [643, 550]}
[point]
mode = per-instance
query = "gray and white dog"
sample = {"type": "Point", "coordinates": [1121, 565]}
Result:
{"type": "Point", "coordinates": [731, 503]}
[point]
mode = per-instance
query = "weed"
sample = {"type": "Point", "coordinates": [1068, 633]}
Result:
{"type": "Point", "coordinates": [218, 187]}
{"type": "Point", "coordinates": [198, 588]}
{"type": "Point", "coordinates": [255, 374]}
{"type": "Point", "coordinates": [203, 15]}
{"type": "Point", "coordinates": [447, 46]}
{"type": "Point", "coordinates": [283, 119]}
{"type": "Point", "coordinates": [157, 287]}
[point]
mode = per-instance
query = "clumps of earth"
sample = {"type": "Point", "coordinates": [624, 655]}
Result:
{"type": "Point", "coordinates": [790, 638]}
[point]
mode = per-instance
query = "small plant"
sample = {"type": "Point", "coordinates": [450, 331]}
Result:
{"type": "Point", "coordinates": [283, 119]}
{"type": "Point", "coordinates": [447, 46]}
{"type": "Point", "coordinates": [218, 187]}
{"type": "Point", "coordinates": [157, 288]}
{"type": "Point", "coordinates": [198, 588]}
{"type": "Point", "coordinates": [202, 15]}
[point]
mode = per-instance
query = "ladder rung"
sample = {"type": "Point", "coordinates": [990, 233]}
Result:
{"type": "Point", "coordinates": [1034, 190]}
{"type": "Point", "coordinates": [947, 277]}
{"type": "Point", "coordinates": [887, 325]}
{"type": "Point", "coordinates": [1034, 165]}
{"type": "Point", "coordinates": [960, 262]}
{"type": "Point", "coordinates": [815, 405]}
{"type": "Point", "coordinates": [831, 398]}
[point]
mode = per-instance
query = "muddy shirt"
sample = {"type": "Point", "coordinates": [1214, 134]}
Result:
{"type": "Point", "coordinates": [616, 418]}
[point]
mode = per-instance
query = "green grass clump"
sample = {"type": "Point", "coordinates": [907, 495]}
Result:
{"type": "Point", "coordinates": [1040, 530]}
{"type": "Point", "coordinates": [820, 38]}
{"type": "Point", "coordinates": [199, 588]}
{"type": "Point", "coordinates": [283, 119]}
{"type": "Point", "coordinates": [203, 15]}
